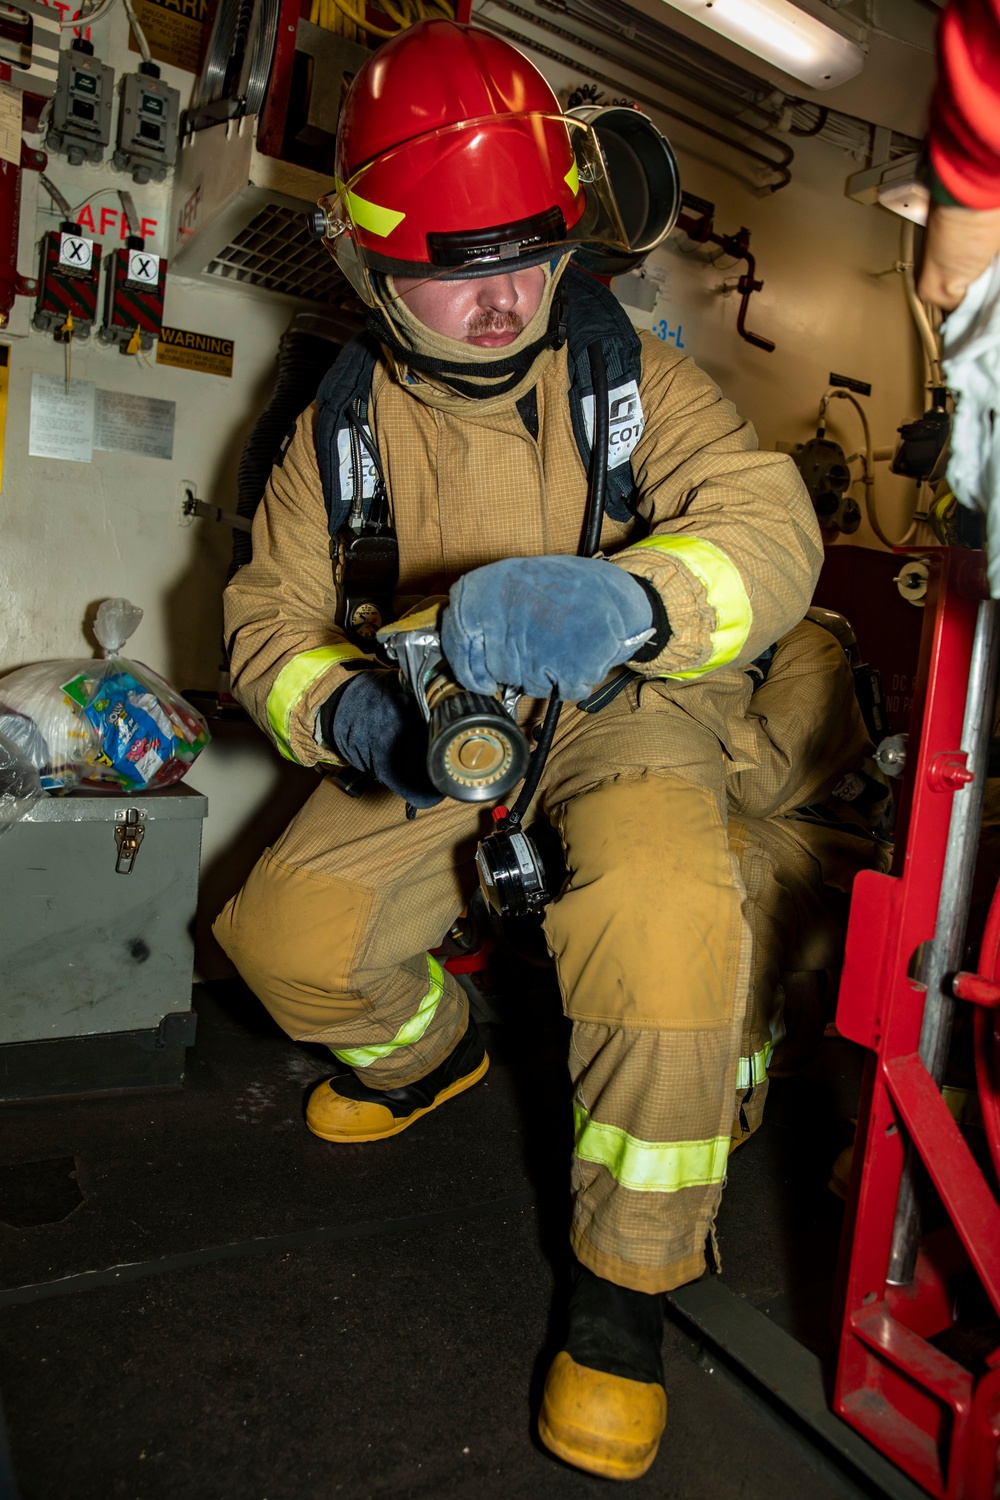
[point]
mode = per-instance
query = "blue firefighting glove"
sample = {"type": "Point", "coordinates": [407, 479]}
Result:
{"type": "Point", "coordinates": [375, 725]}
{"type": "Point", "coordinates": [544, 624]}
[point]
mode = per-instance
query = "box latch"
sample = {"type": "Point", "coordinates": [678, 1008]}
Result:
{"type": "Point", "coordinates": [129, 834]}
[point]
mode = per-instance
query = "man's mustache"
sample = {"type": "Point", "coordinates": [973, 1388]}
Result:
{"type": "Point", "coordinates": [493, 320]}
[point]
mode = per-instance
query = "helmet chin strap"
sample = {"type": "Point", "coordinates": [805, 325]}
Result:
{"type": "Point", "coordinates": [438, 370]}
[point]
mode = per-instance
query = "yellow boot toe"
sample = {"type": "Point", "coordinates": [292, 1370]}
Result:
{"type": "Point", "coordinates": [347, 1109]}
{"type": "Point", "coordinates": [602, 1423]}
{"type": "Point", "coordinates": [334, 1118]}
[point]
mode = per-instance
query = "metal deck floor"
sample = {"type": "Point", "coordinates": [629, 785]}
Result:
{"type": "Point", "coordinates": [201, 1301]}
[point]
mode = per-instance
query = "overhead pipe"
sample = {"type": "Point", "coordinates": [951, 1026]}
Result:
{"type": "Point", "coordinates": [658, 41]}
{"type": "Point", "coordinates": [787, 154]}
{"type": "Point", "coordinates": [929, 341]}
{"type": "Point", "coordinates": [780, 168]}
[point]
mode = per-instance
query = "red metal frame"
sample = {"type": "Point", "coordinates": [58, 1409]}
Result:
{"type": "Point", "coordinates": [274, 115]}
{"type": "Point", "coordinates": [917, 1405]}
{"type": "Point", "coordinates": [271, 126]}
{"type": "Point", "coordinates": [12, 283]}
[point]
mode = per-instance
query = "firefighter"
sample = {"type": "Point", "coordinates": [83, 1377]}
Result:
{"type": "Point", "coordinates": [462, 196]}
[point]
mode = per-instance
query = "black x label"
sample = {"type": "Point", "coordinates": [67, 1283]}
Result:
{"type": "Point", "coordinates": [145, 268]}
{"type": "Point", "coordinates": [75, 252]}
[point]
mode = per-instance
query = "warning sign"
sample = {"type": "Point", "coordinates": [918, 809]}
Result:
{"type": "Point", "coordinates": [195, 351]}
{"type": "Point", "coordinates": [173, 30]}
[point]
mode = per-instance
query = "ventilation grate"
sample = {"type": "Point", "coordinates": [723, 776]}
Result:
{"type": "Point", "coordinates": [275, 252]}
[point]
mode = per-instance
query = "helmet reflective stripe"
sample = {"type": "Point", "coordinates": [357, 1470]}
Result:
{"type": "Point", "coordinates": [720, 578]}
{"type": "Point", "coordinates": [294, 681]}
{"type": "Point", "coordinates": [648, 1166]}
{"type": "Point", "coordinates": [370, 216]}
{"type": "Point", "coordinates": [572, 179]}
{"type": "Point", "coordinates": [411, 1031]}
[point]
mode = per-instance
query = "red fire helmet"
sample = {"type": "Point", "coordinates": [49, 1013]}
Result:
{"type": "Point", "coordinates": [452, 153]}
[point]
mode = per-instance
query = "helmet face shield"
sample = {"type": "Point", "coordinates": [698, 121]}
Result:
{"type": "Point", "coordinates": [436, 175]}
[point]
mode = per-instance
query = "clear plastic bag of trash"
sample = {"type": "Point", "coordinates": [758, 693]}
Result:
{"type": "Point", "coordinates": [20, 784]}
{"type": "Point", "coordinates": [106, 721]}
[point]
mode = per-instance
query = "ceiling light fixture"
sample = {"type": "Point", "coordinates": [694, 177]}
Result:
{"type": "Point", "coordinates": [784, 35]}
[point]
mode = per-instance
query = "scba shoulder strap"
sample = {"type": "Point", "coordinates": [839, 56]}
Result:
{"type": "Point", "coordinates": [344, 388]}
{"type": "Point", "coordinates": [593, 313]}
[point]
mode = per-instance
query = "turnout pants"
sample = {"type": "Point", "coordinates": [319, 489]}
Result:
{"type": "Point", "coordinates": [651, 946]}
{"type": "Point", "coordinates": [797, 872]}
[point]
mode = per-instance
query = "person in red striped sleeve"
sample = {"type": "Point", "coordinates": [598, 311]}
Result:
{"type": "Point", "coordinates": [963, 225]}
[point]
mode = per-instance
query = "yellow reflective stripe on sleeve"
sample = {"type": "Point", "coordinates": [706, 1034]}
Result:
{"type": "Point", "coordinates": [368, 215]}
{"type": "Point", "coordinates": [720, 578]}
{"type": "Point", "coordinates": [294, 680]}
{"type": "Point", "coordinates": [649, 1166]}
{"type": "Point", "coordinates": [411, 1031]}
{"type": "Point", "coordinates": [753, 1070]}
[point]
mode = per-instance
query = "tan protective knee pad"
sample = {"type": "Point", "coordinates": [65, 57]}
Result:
{"type": "Point", "coordinates": [293, 936]}
{"type": "Point", "coordinates": [648, 931]}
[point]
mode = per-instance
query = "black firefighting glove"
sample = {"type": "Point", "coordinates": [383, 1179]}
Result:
{"type": "Point", "coordinates": [374, 724]}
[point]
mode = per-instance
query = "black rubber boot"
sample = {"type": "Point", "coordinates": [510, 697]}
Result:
{"type": "Point", "coordinates": [614, 1329]}
{"type": "Point", "coordinates": [346, 1108]}
{"type": "Point", "coordinates": [604, 1407]}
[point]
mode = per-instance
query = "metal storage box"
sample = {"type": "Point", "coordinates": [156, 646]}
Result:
{"type": "Point", "coordinates": [96, 945]}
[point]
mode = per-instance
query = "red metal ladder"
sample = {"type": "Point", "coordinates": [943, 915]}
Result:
{"type": "Point", "coordinates": [933, 1417]}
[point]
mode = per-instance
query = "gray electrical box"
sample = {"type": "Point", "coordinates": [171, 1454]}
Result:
{"type": "Point", "coordinates": [147, 125]}
{"type": "Point", "coordinates": [97, 901]}
{"type": "Point", "coordinates": [80, 125]}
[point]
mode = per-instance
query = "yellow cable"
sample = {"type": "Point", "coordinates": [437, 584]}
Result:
{"type": "Point", "coordinates": [390, 10]}
{"type": "Point", "coordinates": [352, 15]}
{"type": "Point", "coordinates": [135, 342]}
{"type": "Point", "coordinates": [67, 329]}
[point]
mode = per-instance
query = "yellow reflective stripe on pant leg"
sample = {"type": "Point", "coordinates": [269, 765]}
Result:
{"type": "Point", "coordinates": [753, 1070]}
{"type": "Point", "coordinates": [720, 578]}
{"type": "Point", "coordinates": [294, 680]}
{"type": "Point", "coordinates": [649, 1166]}
{"type": "Point", "coordinates": [411, 1031]}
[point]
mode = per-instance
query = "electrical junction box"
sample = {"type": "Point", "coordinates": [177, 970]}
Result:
{"type": "Point", "coordinates": [133, 300]}
{"type": "Point", "coordinates": [67, 283]}
{"type": "Point", "coordinates": [147, 125]}
{"type": "Point", "coordinates": [98, 891]}
{"type": "Point", "coordinates": [827, 476]}
{"type": "Point", "coordinates": [80, 125]}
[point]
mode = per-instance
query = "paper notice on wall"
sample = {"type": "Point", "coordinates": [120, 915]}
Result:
{"type": "Point", "coordinates": [125, 423]}
{"type": "Point", "coordinates": [11, 102]}
{"type": "Point", "coordinates": [62, 422]}
{"type": "Point", "coordinates": [173, 29]}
